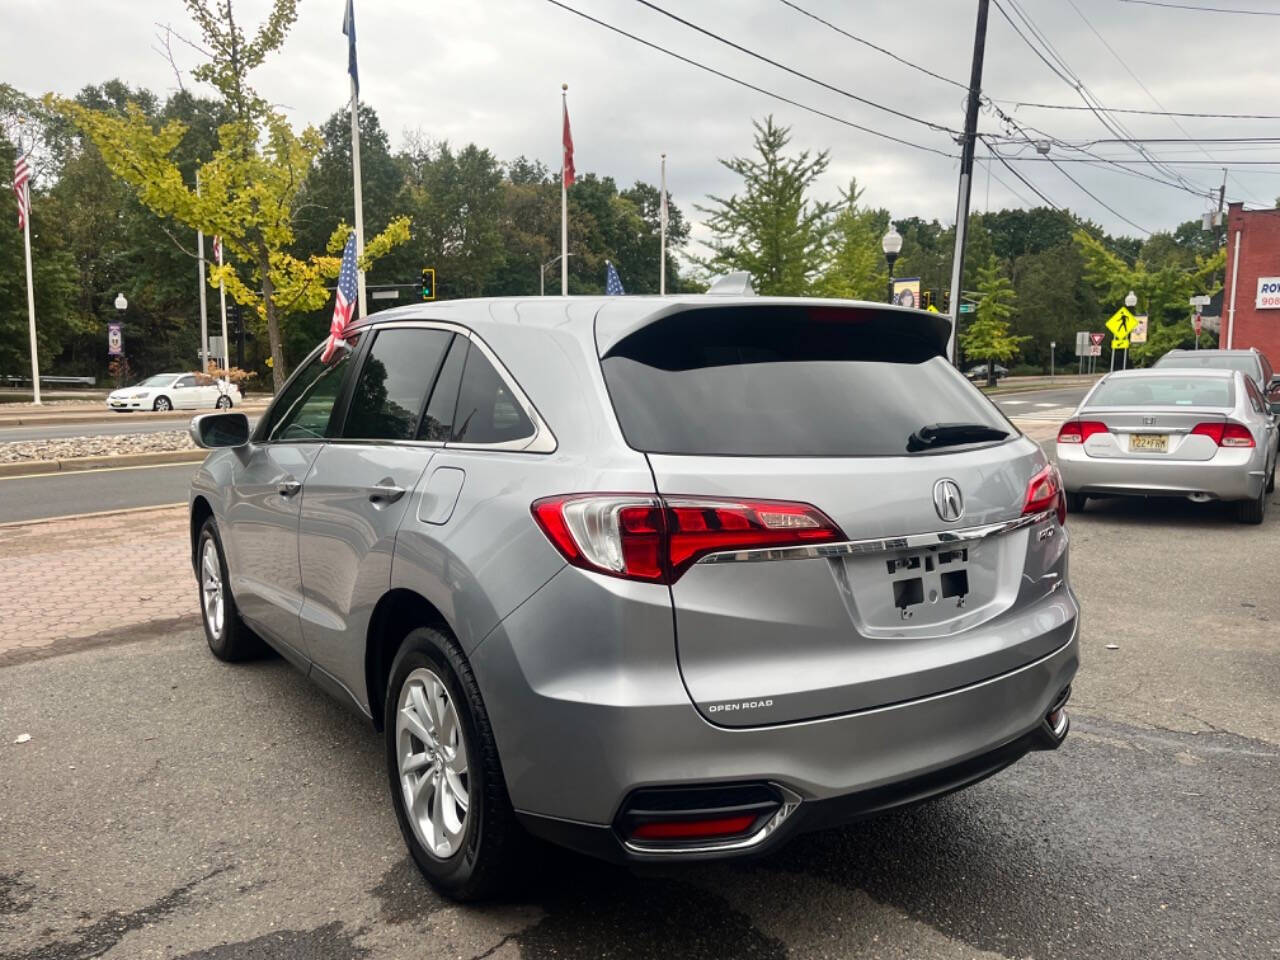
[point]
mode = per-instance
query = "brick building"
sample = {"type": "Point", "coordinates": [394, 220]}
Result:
{"type": "Point", "coordinates": [1251, 306]}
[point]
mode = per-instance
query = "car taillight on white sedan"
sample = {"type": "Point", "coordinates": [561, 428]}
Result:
{"type": "Point", "coordinates": [1078, 431]}
{"type": "Point", "coordinates": [656, 539]}
{"type": "Point", "coordinates": [1225, 433]}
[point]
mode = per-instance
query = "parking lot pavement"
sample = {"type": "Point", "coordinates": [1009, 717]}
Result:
{"type": "Point", "coordinates": [167, 805]}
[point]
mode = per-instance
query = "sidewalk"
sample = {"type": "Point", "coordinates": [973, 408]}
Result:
{"type": "Point", "coordinates": [80, 581]}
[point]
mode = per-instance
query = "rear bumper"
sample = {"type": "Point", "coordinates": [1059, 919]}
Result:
{"type": "Point", "coordinates": [1231, 475]}
{"type": "Point", "coordinates": [613, 717]}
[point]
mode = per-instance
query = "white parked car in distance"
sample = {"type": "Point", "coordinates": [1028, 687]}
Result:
{"type": "Point", "coordinates": [176, 391]}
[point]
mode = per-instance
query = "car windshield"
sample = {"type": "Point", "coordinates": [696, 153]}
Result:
{"type": "Point", "coordinates": [159, 380]}
{"type": "Point", "coordinates": [1243, 362]}
{"type": "Point", "coordinates": [1170, 391]}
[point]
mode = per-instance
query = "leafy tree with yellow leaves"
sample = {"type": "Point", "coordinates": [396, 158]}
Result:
{"type": "Point", "coordinates": [248, 191]}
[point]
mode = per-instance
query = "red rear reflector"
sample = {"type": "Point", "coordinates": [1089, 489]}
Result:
{"type": "Point", "coordinates": [693, 829]}
{"type": "Point", "coordinates": [1044, 491]}
{"type": "Point", "coordinates": [1078, 431]}
{"type": "Point", "coordinates": [642, 537]}
{"type": "Point", "coordinates": [1225, 434]}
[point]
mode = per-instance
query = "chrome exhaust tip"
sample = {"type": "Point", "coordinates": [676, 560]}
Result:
{"type": "Point", "coordinates": [1056, 723]}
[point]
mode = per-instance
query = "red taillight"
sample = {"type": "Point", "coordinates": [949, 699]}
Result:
{"type": "Point", "coordinates": [1078, 431]}
{"type": "Point", "coordinates": [1225, 434]}
{"type": "Point", "coordinates": [1045, 492]}
{"type": "Point", "coordinates": [657, 539]}
{"type": "Point", "coordinates": [693, 829]}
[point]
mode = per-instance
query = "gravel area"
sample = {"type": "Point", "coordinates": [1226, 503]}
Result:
{"type": "Point", "coordinates": [67, 447]}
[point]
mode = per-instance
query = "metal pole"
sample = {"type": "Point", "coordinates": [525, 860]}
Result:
{"type": "Point", "coordinates": [355, 171]}
{"type": "Point", "coordinates": [966, 171]}
{"type": "Point", "coordinates": [222, 301]}
{"type": "Point", "coordinates": [31, 301]}
{"type": "Point", "coordinates": [662, 222]}
{"type": "Point", "coordinates": [204, 307]}
{"type": "Point", "coordinates": [564, 201]}
{"type": "Point", "coordinates": [1235, 277]}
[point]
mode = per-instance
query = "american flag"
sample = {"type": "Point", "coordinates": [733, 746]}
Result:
{"type": "Point", "coordinates": [349, 28]}
{"type": "Point", "coordinates": [22, 187]}
{"type": "Point", "coordinates": [346, 304]}
{"type": "Point", "coordinates": [567, 142]}
{"type": "Point", "coordinates": [612, 283]}
{"type": "Point", "coordinates": [217, 249]}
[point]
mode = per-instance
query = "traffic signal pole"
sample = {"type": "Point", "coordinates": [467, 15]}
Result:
{"type": "Point", "coordinates": [966, 171]}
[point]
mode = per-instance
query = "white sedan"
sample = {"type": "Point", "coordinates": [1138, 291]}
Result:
{"type": "Point", "coordinates": [176, 391]}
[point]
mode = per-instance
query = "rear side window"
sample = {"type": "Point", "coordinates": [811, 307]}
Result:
{"type": "Point", "coordinates": [397, 374]}
{"type": "Point", "coordinates": [1172, 391]}
{"type": "Point", "coordinates": [488, 411]}
{"type": "Point", "coordinates": [437, 423]}
{"type": "Point", "coordinates": [788, 382]}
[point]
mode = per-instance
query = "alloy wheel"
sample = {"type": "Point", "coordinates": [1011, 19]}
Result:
{"type": "Point", "coordinates": [432, 761]}
{"type": "Point", "coordinates": [163, 404]}
{"type": "Point", "coordinates": [223, 403]}
{"type": "Point", "coordinates": [211, 588]}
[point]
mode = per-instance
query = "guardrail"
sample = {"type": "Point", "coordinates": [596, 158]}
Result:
{"type": "Point", "coordinates": [14, 381]}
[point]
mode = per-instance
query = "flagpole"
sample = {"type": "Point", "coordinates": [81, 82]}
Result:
{"type": "Point", "coordinates": [204, 308]}
{"type": "Point", "coordinates": [222, 302]}
{"type": "Point", "coordinates": [662, 220]}
{"type": "Point", "coordinates": [31, 300]}
{"type": "Point", "coordinates": [563, 201]}
{"type": "Point", "coordinates": [355, 169]}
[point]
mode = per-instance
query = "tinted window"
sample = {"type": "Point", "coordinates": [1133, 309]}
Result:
{"type": "Point", "coordinates": [302, 411]}
{"type": "Point", "coordinates": [1244, 362]}
{"type": "Point", "coordinates": [1170, 391]}
{"type": "Point", "coordinates": [788, 382]}
{"type": "Point", "coordinates": [1255, 396]}
{"type": "Point", "coordinates": [187, 381]}
{"type": "Point", "coordinates": [487, 411]}
{"type": "Point", "coordinates": [393, 383]}
{"type": "Point", "coordinates": [437, 424]}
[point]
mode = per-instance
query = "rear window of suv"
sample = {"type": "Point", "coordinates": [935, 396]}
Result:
{"type": "Point", "coordinates": [789, 382]}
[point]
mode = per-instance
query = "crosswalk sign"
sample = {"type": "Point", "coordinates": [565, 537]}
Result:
{"type": "Point", "coordinates": [1119, 343]}
{"type": "Point", "coordinates": [932, 309]}
{"type": "Point", "coordinates": [1121, 322]}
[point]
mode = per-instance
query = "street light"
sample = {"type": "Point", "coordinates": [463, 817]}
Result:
{"type": "Point", "coordinates": [891, 244]}
{"type": "Point", "coordinates": [121, 303]}
{"type": "Point", "coordinates": [1131, 300]}
{"type": "Point", "coordinates": [542, 273]}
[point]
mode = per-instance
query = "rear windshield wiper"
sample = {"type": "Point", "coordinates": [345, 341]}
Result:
{"type": "Point", "coordinates": [934, 435]}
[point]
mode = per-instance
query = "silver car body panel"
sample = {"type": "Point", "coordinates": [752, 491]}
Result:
{"type": "Point", "coordinates": [597, 686]}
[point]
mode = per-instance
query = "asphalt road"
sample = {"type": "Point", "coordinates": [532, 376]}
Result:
{"type": "Point", "coordinates": [61, 494]}
{"type": "Point", "coordinates": [168, 805]}
{"type": "Point", "coordinates": [1056, 403]}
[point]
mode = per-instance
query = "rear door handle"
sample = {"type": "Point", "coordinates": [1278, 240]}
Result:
{"type": "Point", "coordinates": [385, 492]}
{"type": "Point", "coordinates": [288, 487]}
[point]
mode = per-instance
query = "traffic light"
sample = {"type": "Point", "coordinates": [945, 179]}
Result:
{"type": "Point", "coordinates": [428, 283]}
{"type": "Point", "coordinates": [926, 299]}
{"type": "Point", "coordinates": [946, 301]}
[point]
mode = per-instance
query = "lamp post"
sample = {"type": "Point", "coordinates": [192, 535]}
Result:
{"type": "Point", "coordinates": [1130, 301]}
{"type": "Point", "coordinates": [891, 244]}
{"type": "Point", "coordinates": [542, 273]}
{"type": "Point", "coordinates": [122, 305]}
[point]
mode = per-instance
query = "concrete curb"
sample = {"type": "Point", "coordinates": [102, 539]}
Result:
{"type": "Point", "coordinates": [35, 468]}
{"type": "Point", "coordinates": [42, 418]}
{"type": "Point", "coordinates": [96, 514]}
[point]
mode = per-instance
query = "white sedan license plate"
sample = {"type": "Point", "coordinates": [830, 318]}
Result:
{"type": "Point", "coordinates": [1151, 442]}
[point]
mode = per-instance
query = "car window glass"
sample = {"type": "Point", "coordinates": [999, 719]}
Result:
{"type": "Point", "coordinates": [437, 422]}
{"type": "Point", "coordinates": [1170, 391]}
{"type": "Point", "coordinates": [1255, 396]}
{"type": "Point", "coordinates": [302, 411]}
{"type": "Point", "coordinates": [488, 411]}
{"type": "Point", "coordinates": [188, 381]}
{"type": "Point", "coordinates": [393, 383]}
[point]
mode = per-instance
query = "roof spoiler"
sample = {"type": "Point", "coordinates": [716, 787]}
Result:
{"type": "Point", "coordinates": [736, 284]}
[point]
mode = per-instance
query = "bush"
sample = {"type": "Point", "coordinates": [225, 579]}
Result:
{"type": "Point", "coordinates": [1026, 370]}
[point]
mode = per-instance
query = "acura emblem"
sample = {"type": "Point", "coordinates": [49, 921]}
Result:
{"type": "Point", "coordinates": [1148, 421]}
{"type": "Point", "coordinates": [947, 500]}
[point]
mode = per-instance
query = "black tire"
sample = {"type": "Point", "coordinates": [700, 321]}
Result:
{"type": "Point", "coordinates": [482, 863]}
{"type": "Point", "coordinates": [162, 405]}
{"type": "Point", "coordinates": [223, 403]}
{"type": "Point", "coordinates": [1271, 478]}
{"type": "Point", "coordinates": [236, 641]}
{"type": "Point", "coordinates": [1076, 502]}
{"type": "Point", "coordinates": [1252, 511]}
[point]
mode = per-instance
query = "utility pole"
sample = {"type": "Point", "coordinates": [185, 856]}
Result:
{"type": "Point", "coordinates": [966, 171]}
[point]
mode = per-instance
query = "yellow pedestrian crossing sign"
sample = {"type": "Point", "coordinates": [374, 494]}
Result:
{"type": "Point", "coordinates": [932, 309]}
{"type": "Point", "coordinates": [1120, 324]}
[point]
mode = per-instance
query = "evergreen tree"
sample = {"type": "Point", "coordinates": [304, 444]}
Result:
{"type": "Point", "coordinates": [988, 337]}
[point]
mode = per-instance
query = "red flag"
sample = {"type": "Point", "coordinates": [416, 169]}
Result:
{"type": "Point", "coordinates": [567, 169]}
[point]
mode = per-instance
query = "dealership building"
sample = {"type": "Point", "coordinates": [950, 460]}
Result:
{"type": "Point", "coordinates": [1251, 308]}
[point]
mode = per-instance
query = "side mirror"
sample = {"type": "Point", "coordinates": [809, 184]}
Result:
{"type": "Point", "coordinates": [213, 430]}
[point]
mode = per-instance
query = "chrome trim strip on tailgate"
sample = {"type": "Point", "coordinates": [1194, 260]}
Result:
{"type": "Point", "coordinates": [853, 548]}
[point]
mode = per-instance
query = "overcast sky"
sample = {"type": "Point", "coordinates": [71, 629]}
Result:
{"type": "Point", "coordinates": [490, 71]}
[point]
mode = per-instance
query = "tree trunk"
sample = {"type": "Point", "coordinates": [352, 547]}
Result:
{"type": "Point", "coordinates": [278, 371]}
{"type": "Point", "coordinates": [991, 373]}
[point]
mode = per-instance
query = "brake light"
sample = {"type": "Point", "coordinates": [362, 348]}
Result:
{"type": "Point", "coordinates": [657, 539]}
{"type": "Point", "coordinates": [1225, 434]}
{"type": "Point", "coordinates": [1078, 431]}
{"type": "Point", "coordinates": [1044, 492]}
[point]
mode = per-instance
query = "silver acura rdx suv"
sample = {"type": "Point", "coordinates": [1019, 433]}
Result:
{"type": "Point", "coordinates": [657, 579]}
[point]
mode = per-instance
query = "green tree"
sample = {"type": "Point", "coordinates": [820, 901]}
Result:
{"type": "Point", "coordinates": [857, 270]}
{"type": "Point", "coordinates": [773, 229]}
{"type": "Point", "coordinates": [251, 184]}
{"type": "Point", "coordinates": [988, 337]}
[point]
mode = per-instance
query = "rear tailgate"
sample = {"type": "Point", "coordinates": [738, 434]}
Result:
{"type": "Point", "coordinates": [769, 405]}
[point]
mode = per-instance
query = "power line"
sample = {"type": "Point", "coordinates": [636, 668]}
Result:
{"type": "Point", "coordinates": [878, 49]}
{"type": "Point", "coordinates": [1029, 185]}
{"type": "Point", "coordinates": [1146, 113]}
{"type": "Point", "coordinates": [1200, 9]}
{"type": "Point", "coordinates": [750, 86]}
{"type": "Point", "coordinates": [794, 72]}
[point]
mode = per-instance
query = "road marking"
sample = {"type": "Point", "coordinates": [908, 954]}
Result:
{"type": "Point", "coordinates": [93, 470]}
{"type": "Point", "coordinates": [1049, 413]}
{"type": "Point", "coordinates": [1048, 404]}
{"type": "Point", "coordinates": [1015, 403]}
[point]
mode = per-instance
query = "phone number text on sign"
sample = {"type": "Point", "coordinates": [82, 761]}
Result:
{"type": "Point", "coordinates": [1268, 293]}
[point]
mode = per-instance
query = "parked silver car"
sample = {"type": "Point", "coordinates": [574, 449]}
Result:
{"type": "Point", "coordinates": [1203, 433]}
{"type": "Point", "coordinates": [656, 579]}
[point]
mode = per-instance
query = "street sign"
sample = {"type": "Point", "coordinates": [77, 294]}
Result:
{"type": "Point", "coordinates": [1082, 343]}
{"type": "Point", "coordinates": [932, 309]}
{"type": "Point", "coordinates": [1201, 300]}
{"type": "Point", "coordinates": [1196, 324]}
{"type": "Point", "coordinates": [967, 307]}
{"type": "Point", "coordinates": [385, 294]}
{"type": "Point", "coordinates": [1095, 350]}
{"type": "Point", "coordinates": [1096, 339]}
{"type": "Point", "coordinates": [1139, 333]}
{"type": "Point", "coordinates": [115, 340]}
{"type": "Point", "coordinates": [216, 349]}
{"type": "Point", "coordinates": [1119, 343]}
{"type": "Point", "coordinates": [1121, 322]}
